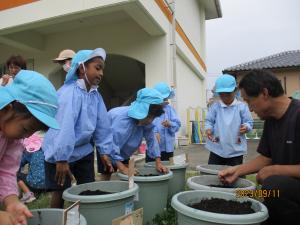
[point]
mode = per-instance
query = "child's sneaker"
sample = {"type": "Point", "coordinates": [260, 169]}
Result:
{"type": "Point", "coordinates": [27, 197]}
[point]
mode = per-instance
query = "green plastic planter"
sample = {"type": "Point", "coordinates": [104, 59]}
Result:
{"type": "Point", "coordinates": [49, 217]}
{"type": "Point", "coordinates": [210, 169]}
{"type": "Point", "coordinates": [102, 209]}
{"type": "Point", "coordinates": [189, 216]}
{"type": "Point", "coordinates": [177, 182]}
{"type": "Point", "coordinates": [203, 182]}
{"type": "Point", "coordinates": [153, 192]}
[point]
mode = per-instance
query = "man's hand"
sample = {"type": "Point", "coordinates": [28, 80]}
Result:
{"type": "Point", "coordinates": [243, 129]}
{"type": "Point", "coordinates": [62, 171]}
{"type": "Point", "coordinates": [18, 211]}
{"type": "Point", "coordinates": [166, 123]}
{"type": "Point", "coordinates": [229, 175]}
{"type": "Point", "coordinates": [266, 172]}
{"type": "Point", "coordinates": [5, 79]}
{"type": "Point", "coordinates": [108, 167]}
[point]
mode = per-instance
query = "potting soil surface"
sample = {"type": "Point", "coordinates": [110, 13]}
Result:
{"type": "Point", "coordinates": [218, 205]}
{"type": "Point", "coordinates": [97, 192]}
{"type": "Point", "coordinates": [220, 186]}
{"type": "Point", "coordinates": [147, 175]}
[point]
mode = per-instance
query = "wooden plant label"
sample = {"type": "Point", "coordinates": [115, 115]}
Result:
{"type": "Point", "coordinates": [71, 215]}
{"type": "Point", "coordinates": [134, 218]}
{"type": "Point", "coordinates": [131, 173]}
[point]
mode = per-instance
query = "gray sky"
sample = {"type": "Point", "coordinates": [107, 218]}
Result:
{"type": "Point", "coordinates": [251, 29]}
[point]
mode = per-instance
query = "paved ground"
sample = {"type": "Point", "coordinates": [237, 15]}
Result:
{"type": "Point", "coordinates": [197, 154]}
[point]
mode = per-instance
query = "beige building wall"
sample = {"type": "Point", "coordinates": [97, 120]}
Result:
{"type": "Point", "coordinates": [290, 80]}
{"type": "Point", "coordinates": [135, 29]}
{"type": "Point", "coordinates": [289, 77]}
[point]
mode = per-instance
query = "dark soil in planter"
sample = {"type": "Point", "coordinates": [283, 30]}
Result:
{"type": "Point", "coordinates": [220, 186]}
{"type": "Point", "coordinates": [218, 205]}
{"type": "Point", "coordinates": [97, 192]}
{"type": "Point", "coordinates": [147, 175]}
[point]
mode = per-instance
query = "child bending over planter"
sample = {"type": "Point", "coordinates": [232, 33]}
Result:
{"type": "Point", "coordinates": [130, 124]}
{"type": "Point", "coordinates": [226, 123]}
{"type": "Point", "coordinates": [166, 125]}
{"type": "Point", "coordinates": [27, 105]}
{"type": "Point", "coordinates": [83, 117]}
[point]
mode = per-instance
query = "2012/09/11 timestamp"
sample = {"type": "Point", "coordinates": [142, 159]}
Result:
{"type": "Point", "coordinates": [257, 193]}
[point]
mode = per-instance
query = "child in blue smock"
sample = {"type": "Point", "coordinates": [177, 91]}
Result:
{"type": "Point", "coordinates": [130, 124]}
{"type": "Point", "coordinates": [166, 125]}
{"type": "Point", "coordinates": [83, 117]}
{"type": "Point", "coordinates": [226, 123]}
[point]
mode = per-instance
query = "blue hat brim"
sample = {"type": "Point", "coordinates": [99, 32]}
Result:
{"type": "Point", "coordinates": [6, 97]}
{"type": "Point", "coordinates": [44, 118]}
{"type": "Point", "coordinates": [225, 90]}
{"type": "Point", "coordinates": [138, 110]}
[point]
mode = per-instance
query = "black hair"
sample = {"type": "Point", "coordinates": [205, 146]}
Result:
{"type": "Point", "coordinates": [255, 81]}
{"type": "Point", "coordinates": [16, 60]}
{"type": "Point", "coordinates": [155, 110]}
{"type": "Point", "coordinates": [22, 111]}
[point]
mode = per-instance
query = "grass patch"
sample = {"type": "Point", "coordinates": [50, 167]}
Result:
{"type": "Point", "coordinates": [168, 217]}
{"type": "Point", "coordinates": [43, 201]}
{"type": "Point", "coordinates": [252, 177]}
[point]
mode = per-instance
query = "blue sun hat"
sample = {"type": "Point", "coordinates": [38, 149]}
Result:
{"type": "Point", "coordinates": [83, 56]}
{"type": "Point", "coordinates": [225, 83]}
{"type": "Point", "coordinates": [145, 97]}
{"type": "Point", "coordinates": [35, 92]}
{"type": "Point", "coordinates": [165, 90]}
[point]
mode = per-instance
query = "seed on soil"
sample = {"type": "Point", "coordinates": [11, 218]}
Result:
{"type": "Point", "coordinates": [223, 206]}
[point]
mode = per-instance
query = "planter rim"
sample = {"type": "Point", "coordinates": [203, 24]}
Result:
{"type": "Point", "coordinates": [148, 179]}
{"type": "Point", "coordinates": [99, 198]}
{"type": "Point", "coordinates": [171, 166]}
{"type": "Point", "coordinates": [252, 218]}
{"type": "Point", "coordinates": [202, 168]}
{"type": "Point", "coordinates": [81, 219]}
{"type": "Point", "coordinates": [196, 186]}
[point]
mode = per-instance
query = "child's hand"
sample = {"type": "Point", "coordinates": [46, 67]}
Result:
{"type": "Point", "coordinates": [6, 218]}
{"type": "Point", "coordinates": [211, 137]}
{"type": "Point", "coordinates": [161, 168]}
{"type": "Point", "coordinates": [107, 163]}
{"type": "Point", "coordinates": [243, 129]}
{"type": "Point", "coordinates": [62, 171]}
{"type": "Point", "coordinates": [19, 213]}
{"type": "Point", "coordinates": [122, 168]}
{"type": "Point", "coordinates": [5, 79]}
